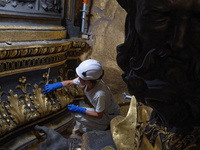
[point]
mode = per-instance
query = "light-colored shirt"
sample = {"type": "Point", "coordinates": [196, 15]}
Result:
{"type": "Point", "coordinates": [101, 98]}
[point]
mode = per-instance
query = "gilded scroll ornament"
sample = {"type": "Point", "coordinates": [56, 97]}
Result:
{"type": "Point", "coordinates": [46, 77]}
{"type": "Point", "coordinates": [129, 132]}
{"type": "Point", "coordinates": [76, 43]}
{"type": "Point", "coordinates": [3, 125]}
{"type": "Point", "coordinates": [32, 50]}
{"type": "Point", "coordinates": [41, 102]}
{"type": "Point", "coordinates": [23, 83]}
{"type": "Point", "coordinates": [31, 105]}
{"type": "Point", "coordinates": [27, 62]}
{"type": "Point", "coordinates": [70, 91]}
{"type": "Point", "coordinates": [19, 110]}
{"type": "Point", "coordinates": [137, 132]}
{"type": "Point", "coordinates": [158, 137]}
{"type": "Point", "coordinates": [16, 50]}
{"type": "Point", "coordinates": [124, 129]}
{"type": "Point", "coordinates": [18, 59]}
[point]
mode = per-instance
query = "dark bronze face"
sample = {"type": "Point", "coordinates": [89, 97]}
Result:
{"type": "Point", "coordinates": [161, 57]}
{"type": "Point", "coordinates": [175, 23]}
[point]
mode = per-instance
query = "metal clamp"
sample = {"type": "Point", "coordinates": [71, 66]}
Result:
{"type": "Point", "coordinates": [125, 96]}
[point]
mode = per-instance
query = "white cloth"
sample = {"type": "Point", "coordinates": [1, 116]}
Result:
{"type": "Point", "coordinates": [102, 99]}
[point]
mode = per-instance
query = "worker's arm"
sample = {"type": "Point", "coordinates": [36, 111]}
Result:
{"type": "Point", "coordinates": [82, 110]}
{"type": "Point", "coordinates": [67, 83]}
{"type": "Point", "coordinates": [94, 114]}
{"type": "Point", "coordinates": [50, 87]}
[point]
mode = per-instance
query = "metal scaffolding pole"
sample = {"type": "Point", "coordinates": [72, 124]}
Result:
{"type": "Point", "coordinates": [83, 16]}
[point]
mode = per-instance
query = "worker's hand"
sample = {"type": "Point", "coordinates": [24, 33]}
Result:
{"type": "Point", "coordinates": [76, 109]}
{"type": "Point", "coordinates": [50, 87]}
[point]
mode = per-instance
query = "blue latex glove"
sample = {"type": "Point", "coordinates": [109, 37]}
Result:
{"type": "Point", "coordinates": [50, 87]}
{"type": "Point", "coordinates": [76, 109]}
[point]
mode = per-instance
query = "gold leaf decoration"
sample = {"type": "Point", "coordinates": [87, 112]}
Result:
{"type": "Point", "coordinates": [17, 109]}
{"type": "Point", "coordinates": [3, 125]}
{"type": "Point", "coordinates": [20, 110]}
{"type": "Point", "coordinates": [41, 102]}
{"type": "Point", "coordinates": [34, 51]}
{"type": "Point", "coordinates": [146, 145]}
{"type": "Point", "coordinates": [123, 128]}
{"type": "Point", "coordinates": [52, 49]}
{"type": "Point", "coordinates": [14, 53]}
{"type": "Point", "coordinates": [3, 54]}
{"type": "Point", "coordinates": [46, 78]}
{"type": "Point", "coordinates": [33, 113]}
{"type": "Point", "coordinates": [56, 106]}
{"type": "Point", "coordinates": [59, 49]}
{"type": "Point", "coordinates": [63, 99]}
{"type": "Point", "coordinates": [24, 52]}
{"type": "Point", "coordinates": [23, 85]}
{"type": "Point", "coordinates": [63, 96]}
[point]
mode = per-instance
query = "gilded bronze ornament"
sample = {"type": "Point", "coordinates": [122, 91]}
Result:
{"type": "Point", "coordinates": [42, 56]}
{"type": "Point", "coordinates": [18, 110]}
{"type": "Point", "coordinates": [34, 39]}
{"type": "Point", "coordinates": [33, 104]}
{"type": "Point", "coordinates": [124, 129]}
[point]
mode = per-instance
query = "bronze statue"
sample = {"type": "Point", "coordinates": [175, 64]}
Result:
{"type": "Point", "coordinates": [54, 140]}
{"type": "Point", "coordinates": [160, 58]}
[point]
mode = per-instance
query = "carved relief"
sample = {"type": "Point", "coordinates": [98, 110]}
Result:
{"type": "Point", "coordinates": [51, 5]}
{"type": "Point", "coordinates": [18, 110]}
{"type": "Point", "coordinates": [46, 5]}
{"type": "Point", "coordinates": [3, 3]}
{"type": "Point", "coordinates": [123, 128]}
{"type": "Point", "coordinates": [15, 3]}
{"type": "Point", "coordinates": [27, 104]}
{"type": "Point", "coordinates": [29, 62]}
{"type": "Point", "coordinates": [76, 43]}
{"type": "Point", "coordinates": [30, 51]}
{"type": "Point", "coordinates": [137, 132]}
{"type": "Point", "coordinates": [159, 137]}
{"type": "Point", "coordinates": [39, 55]}
{"type": "Point", "coordinates": [3, 115]}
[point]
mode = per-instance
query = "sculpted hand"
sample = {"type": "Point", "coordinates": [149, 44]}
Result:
{"type": "Point", "coordinates": [76, 109]}
{"type": "Point", "coordinates": [50, 87]}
